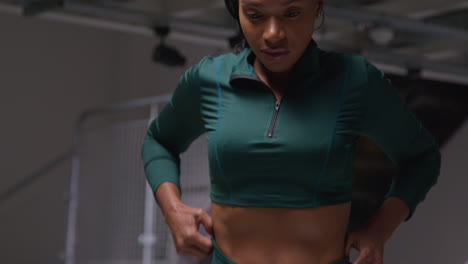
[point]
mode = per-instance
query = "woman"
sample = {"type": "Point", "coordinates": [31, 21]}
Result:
{"type": "Point", "coordinates": [282, 118]}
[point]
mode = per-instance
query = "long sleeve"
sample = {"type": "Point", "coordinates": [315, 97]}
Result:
{"type": "Point", "coordinates": [391, 125]}
{"type": "Point", "coordinates": [171, 133]}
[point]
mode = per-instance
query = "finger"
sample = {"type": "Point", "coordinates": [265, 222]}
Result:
{"type": "Point", "coordinates": [378, 259]}
{"type": "Point", "coordinates": [207, 221]}
{"type": "Point", "coordinates": [376, 256]}
{"type": "Point", "coordinates": [205, 253]}
{"type": "Point", "coordinates": [364, 257]}
{"type": "Point", "coordinates": [201, 242]}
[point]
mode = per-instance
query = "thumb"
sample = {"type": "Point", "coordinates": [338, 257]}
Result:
{"type": "Point", "coordinates": [207, 222]}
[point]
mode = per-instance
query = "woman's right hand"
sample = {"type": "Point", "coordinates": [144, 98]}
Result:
{"type": "Point", "coordinates": [184, 222]}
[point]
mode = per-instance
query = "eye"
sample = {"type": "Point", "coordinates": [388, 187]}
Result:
{"type": "Point", "coordinates": [253, 16]}
{"type": "Point", "coordinates": [294, 14]}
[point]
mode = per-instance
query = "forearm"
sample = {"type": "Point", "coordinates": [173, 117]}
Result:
{"type": "Point", "coordinates": [388, 217]}
{"type": "Point", "coordinates": [168, 197]}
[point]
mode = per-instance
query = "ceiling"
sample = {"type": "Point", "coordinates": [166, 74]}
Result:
{"type": "Point", "coordinates": [430, 34]}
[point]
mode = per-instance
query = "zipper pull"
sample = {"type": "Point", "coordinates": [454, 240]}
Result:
{"type": "Point", "coordinates": [275, 116]}
{"type": "Point", "coordinates": [277, 105]}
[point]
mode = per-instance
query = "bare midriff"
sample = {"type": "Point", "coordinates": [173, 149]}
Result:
{"type": "Point", "coordinates": [257, 235]}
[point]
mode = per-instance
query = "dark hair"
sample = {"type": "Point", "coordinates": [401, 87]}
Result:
{"type": "Point", "coordinates": [239, 42]}
{"type": "Point", "coordinates": [233, 7]}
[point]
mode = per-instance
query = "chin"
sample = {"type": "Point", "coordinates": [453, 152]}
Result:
{"type": "Point", "coordinates": [278, 68]}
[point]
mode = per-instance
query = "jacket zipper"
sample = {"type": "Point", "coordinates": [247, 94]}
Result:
{"type": "Point", "coordinates": [273, 121]}
{"type": "Point", "coordinates": [277, 103]}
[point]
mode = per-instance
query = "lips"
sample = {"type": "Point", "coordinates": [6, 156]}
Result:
{"type": "Point", "coordinates": [275, 54]}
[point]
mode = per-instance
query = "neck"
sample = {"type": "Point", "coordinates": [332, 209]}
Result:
{"type": "Point", "coordinates": [278, 78]}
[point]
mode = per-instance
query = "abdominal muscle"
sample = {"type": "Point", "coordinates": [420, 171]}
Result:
{"type": "Point", "coordinates": [260, 235]}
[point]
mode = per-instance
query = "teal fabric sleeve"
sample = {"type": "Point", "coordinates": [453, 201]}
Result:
{"type": "Point", "coordinates": [170, 134]}
{"type": "Point", "coordinates": [394, 128]}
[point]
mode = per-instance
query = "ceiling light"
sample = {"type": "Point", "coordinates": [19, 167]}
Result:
{"type": "Point", "coordinates": [381, 35]}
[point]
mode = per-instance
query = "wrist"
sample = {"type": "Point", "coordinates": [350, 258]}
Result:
{"type": "Point", "coordinates": [388, 217]}
{"type": "Point", "coordinates": [168, 197]}
{"type": "Point", "coordinates": [399, 207]}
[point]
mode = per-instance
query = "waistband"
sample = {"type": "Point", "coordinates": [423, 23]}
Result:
{"type": "Point", "coordinates": [219, 257]}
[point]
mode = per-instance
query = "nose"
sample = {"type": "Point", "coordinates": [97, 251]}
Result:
{"type": "Point", "coordinates": [274, 31]}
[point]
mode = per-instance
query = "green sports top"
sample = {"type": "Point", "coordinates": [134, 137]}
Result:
{"type": "Point", "coordinates": [297, 153]}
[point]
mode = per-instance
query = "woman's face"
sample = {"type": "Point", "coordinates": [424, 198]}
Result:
{"type": "Point", "coordinates": [278, 24]}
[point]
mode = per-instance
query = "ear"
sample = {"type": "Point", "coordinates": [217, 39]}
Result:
{"type": "Point", "coordinates": [319, 8]}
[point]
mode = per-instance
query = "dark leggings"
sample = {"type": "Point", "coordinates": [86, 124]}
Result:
{"type": "Point", "coordinates": [219, 257]}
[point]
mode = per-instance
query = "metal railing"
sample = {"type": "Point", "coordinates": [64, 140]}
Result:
{"type": "Point", "coordinates": [147, 238]}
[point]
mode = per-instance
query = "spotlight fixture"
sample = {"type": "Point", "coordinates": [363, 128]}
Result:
{"type": "Point", "coordinates": [381, 34]}
{"type": "Point", "coordinates": [164, 54]}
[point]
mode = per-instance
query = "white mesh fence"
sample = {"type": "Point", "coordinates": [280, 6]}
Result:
{"type": "Point", "coordinates": [111, 204]}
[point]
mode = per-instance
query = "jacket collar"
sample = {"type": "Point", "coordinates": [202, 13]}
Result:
{"type": "Point", "coordinates": [307, 65]}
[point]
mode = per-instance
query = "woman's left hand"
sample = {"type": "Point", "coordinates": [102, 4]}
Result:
{"type": "Point", "coordinates": [369, 239]}
{"type": "Point", "coordinates": [369, 243]}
